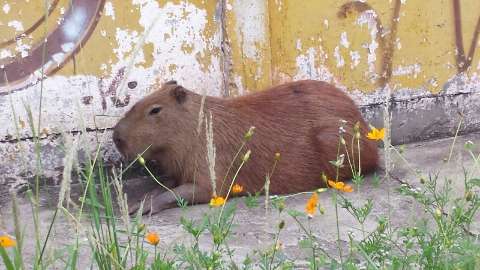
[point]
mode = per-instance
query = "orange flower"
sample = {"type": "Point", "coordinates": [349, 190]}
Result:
{"type": "Point", "coordinates": [311, 205]}
{"type": "Point", "coordinates": [217, 201]}
{"type": "Point", "coordinates": [152, 238]}
{"type": "Point", "coordinates": [237, 189]}
{"type": "Point", "coordinates": [6, 241]}
{"type": "Point", "coordinates": [376, 134]}
{"type": "Point", "coordinates": [340, 186]}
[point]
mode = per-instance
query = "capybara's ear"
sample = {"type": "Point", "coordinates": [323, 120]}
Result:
{"type": "Point", "coordinates": [171, 82]}
{"type": "Point", "coordinates": [179, 93]}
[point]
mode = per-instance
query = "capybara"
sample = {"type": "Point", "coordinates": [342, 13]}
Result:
{"type": "Point", "coordinates": [302, 121]}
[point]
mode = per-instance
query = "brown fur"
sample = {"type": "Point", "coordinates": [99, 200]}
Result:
{"type": "Point", "coordinates": [300, 120]}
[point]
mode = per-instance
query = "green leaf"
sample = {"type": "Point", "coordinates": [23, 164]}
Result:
{"type": "Point", "coordinates": [251, 201]}
{"type": "Point", "coordinates": [294, 213]}
{"type": "Point", "coordinates": [475, 182]}
{"type": "Point", "coordinates": [6, 259]}
{"type": "Point", "coordinates": [305, 243]}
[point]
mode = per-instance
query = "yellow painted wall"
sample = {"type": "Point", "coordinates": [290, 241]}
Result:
{"type": "Point", "coordinates": [423, 53]}
{"type": "Point", "coordinates": [100, 51]}
{"type": "Point", "coordinates": [352, 43]}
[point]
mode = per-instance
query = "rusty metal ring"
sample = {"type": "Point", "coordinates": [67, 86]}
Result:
{"type": "Point", "coordinates": [60, 45]}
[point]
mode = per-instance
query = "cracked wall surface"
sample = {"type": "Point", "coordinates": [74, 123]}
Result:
{"type": "Point", "coordinates": [72, 68]}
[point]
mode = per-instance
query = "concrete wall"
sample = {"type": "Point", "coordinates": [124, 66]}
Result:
{"type": "Point", "coordinates": [101, 56]}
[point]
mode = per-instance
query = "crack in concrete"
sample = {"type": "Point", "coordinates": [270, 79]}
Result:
{"type": "Point", "coordinates": [417, 98]}
{"type": "Point", "coordinates": [55, 135]}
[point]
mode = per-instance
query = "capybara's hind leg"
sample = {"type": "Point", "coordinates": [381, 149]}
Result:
{"type": "Point", "coordinates": [158, 201]}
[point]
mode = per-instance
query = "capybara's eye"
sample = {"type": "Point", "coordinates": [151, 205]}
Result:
{"type": "Point", "coordinates": [155, 110]}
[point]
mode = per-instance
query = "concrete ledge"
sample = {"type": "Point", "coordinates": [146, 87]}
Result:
{"type": "Point", "coordinates": [418, 118]}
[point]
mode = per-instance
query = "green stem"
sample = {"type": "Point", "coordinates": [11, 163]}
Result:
{"type": "Point", "coordinates": [48, 235]}
{"type": "Point", "coordinates": [230, 188]}
{"type": "Point", "coordinates": [161, 184]}
{"type": "Point", "coordinates": [231, 165]}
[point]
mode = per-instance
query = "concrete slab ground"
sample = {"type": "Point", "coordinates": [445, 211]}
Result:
{"type": "Point", "coordinates": [255, 228]}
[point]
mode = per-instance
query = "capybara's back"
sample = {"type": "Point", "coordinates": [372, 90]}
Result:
{"type": "Point", "coordinates": [303, 121]}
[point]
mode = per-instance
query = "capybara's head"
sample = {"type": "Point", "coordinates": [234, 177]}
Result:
{"type": "Point", "coordinates": [157, 122]}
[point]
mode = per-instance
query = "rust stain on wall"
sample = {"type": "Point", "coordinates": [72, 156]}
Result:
{"type": "Point", "coordinates": [464, 61]}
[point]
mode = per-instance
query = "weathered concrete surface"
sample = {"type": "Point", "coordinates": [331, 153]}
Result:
{"type": "Point", "coordinates": [19, 158]}
{"type": "Point", "coordinates": [103, 55]}
{"type": "Point", "coordinates": [420, 115]}
{"type": "Point", "coordinates": [255, 228]}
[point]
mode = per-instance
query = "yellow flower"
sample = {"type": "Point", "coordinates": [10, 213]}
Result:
{"type": "Point", "coordinates": [152, 238]}
{"type": "Point", "coordinates": [340, 186]}
{"type": "Point", "coordinates": [311, 205]}
{"type": "Point", "coordinates": [237, 189]}
{"type": "Point", "coordinates": [217, 201]}
{"type": "Point", "coordinates": [6, 241]}
{"type": "Point", "coordinates": [376, 134]}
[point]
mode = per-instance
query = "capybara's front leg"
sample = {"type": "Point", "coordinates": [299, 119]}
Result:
{"type": "Point", "coordinates": [158, 201]}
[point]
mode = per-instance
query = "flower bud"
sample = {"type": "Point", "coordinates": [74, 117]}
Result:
{"type": "Point", "coordinates": [422, 180]}
{"type": "Point", "coordinates": [281, 206]}
{"type": "Point", "coordinates": [324, 178]}
{"type": "Point", "coordinates": [246, 157]}
{"type": "Point", "coordinates": [469, 196]}
{"type": "Point", "coordinates": [356, 127]}
{"type": "Point", "coordinates": [141, 161]}
{"type": "Point", "coordinates": [249, 133]}
{"type": "Point", "coordinates": [469, 145]}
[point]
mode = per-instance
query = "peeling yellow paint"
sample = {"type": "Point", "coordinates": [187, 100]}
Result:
{"type": "Point", "coordinates": [292, 39]}
{"type": "Point", "coordinates": [99, 49]}
{"type": "Point", "coordinates": [148, 52]}
{"type": "Point", "coordinates": [187, 47]}
{"type": "Point", "coordinates": [211, 29]}
{"type": "Point", "coordinates": [254, 73]}
{"type": "Point", "coordinates": [424, 48]}
{"type": "Point", "coordinates": [172, 68]}
{"type": "Point", "coordinates": [97, 55]}
{"type": "Point", "coordinates": [28, 13]}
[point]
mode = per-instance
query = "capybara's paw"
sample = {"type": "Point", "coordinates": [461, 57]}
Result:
{"type": "Point", "coordinates": [147, 204]}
